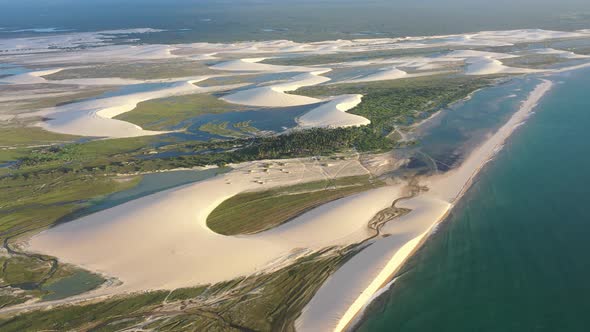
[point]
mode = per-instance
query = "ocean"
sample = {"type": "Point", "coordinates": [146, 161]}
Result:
{"type": "Point", "coordinates": [301, 20]}
{"type": "Point", "coordinates": [512, 256]}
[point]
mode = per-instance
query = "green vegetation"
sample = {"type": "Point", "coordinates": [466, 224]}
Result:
{"type": "Point", "coordinates": [246, 126]}
{"type": "Point", "coordinates": [137, 70]}
{"type": "Point", "coordinates": [26, 136]}
{"type": "Point", "coordinates": [221, 129]}
{"type": "Point", "coordinates": [537, 61]}
{"type": "Point", "coordinates": [82, 157]}
{"type": "Point", "coordinates": [30, 204]}
{"type": "Point", "coordinates": [120, 156]}
{"type": "Point", "coordinates": [267, 302]}
{"type": "Point", "coordinates": [403, 101]}
{"type": "Point", "coordinates": [84, 318]}
{"type": "Point", "coordinates": [254, 212]}
{"type": "Point", "coordinates": [163, 113]}
{"type": "Point", "coordinates": [236, 130]}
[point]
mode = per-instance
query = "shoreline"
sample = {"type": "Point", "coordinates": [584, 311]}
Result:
{"type": "Point", "coordinates": [502, 134]}
{"type": "Point", "coordinates": [449, 188]}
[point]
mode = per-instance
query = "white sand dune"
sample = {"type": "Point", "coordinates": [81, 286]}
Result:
{"type": "Point", "coordinates": [333, 114]}
{"type": "Point", "coordinates": [268, 97]}
{"type": "Point", "coordinates": [34, 77]}
{"type": "Point", "coordinates": [275, 96]}
{"type": "Point", "coordinates": [97, 81]}
{"type": "Point", "coordinates": [205, 56]}
{"type": "Point", "coordinates": [345, 294]}
{"type": "Point", "coordinates": [394, 74]}
{"type": "Point", "coordinates": [486, 63]}
{"type": "Point", "coordinates": [162, 241]}
{"type": "Point", "coordinates": [253, 64]}
{"type": "Point", "coordinates": [94, 117]}
{"type": "Point", "coordinates": [385, 74]}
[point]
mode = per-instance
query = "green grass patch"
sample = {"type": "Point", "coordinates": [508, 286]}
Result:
{"type": "Point", "coordinates": [163, 113]}
{"type": "Point", "coordinates": [221, 129]}
{"type": "Point", "coordinates": [27, 136]}
{"type": "Point", "coordinates": [403, 101]}
{"type": "Point", "coordinates": [255, 212]}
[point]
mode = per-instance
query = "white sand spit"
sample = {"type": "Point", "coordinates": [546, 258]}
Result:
{"type": "Point", "coordinates": [345, 294]}
{"type": "Point", "coordinates": [333, 114]}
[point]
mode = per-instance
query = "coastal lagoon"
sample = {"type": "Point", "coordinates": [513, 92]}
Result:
{"type": "Point", "coordinates": [445, 140]}
{"type": "Point", "coordinates": [512, 255]}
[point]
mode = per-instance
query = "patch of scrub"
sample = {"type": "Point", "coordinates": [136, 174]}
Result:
{"type": "Point", "coordinates": [173, 112]}
{"type": "Point", "coordinates": [263, 119]}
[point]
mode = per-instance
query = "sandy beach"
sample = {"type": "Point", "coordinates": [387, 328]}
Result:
{"type": "Point", "coordinates": [144, 242]}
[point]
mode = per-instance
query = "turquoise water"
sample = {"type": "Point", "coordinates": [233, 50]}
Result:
{"type": "Point", "coordinates": [513, 256]}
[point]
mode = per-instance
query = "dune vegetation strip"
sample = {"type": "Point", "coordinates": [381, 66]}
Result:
{"type": "Point", "coordinates": [254, 212]}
